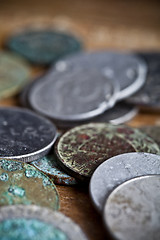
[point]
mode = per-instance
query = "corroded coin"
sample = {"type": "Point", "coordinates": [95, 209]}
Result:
{"type": "Point", "coordinates": [81, 149]}
{"type": "Point", "coordinates": [132, 210]}
{"type": "Point", "coordinates": [119, 169]}
{"type": "Point", "coordinates": [49, 166]}
{"type": "Point", "coordinates": [14, 74]}
{"type": "Point", "coordinates": [21, 183]}
{"type": "Point", "coordinates": [25, 136]}
{"type": "Point", "coordinates": [153, 132]}
{"type": "Point", "coordinates": [34, 222]}
{"type": "Point", "coordinates": [43, 46]}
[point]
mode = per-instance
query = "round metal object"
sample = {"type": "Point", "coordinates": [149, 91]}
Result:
{"type": "Point", "coordinates": [153, 132]}
{"type": "Point", "coordinates": [14, 74]}
{"type": "Point", "coordinates": [132, 211]}
{"type": "Point", "coordinates": [119, 169]}
{"type": "Point", "coordinates": [49, 166]}
{"type": "Point", "coordinates": [43, 46]}
{"type": "Point", "coordinates": [82, 149]}
{"type": "Point", "coordinates": [37, 223]}
{"type": "Point", "coordinates": [25, 136]}
{"type": "Point", "coordinates": [127, 69]}
{"type": "Point", "coordinates": [21, 183]}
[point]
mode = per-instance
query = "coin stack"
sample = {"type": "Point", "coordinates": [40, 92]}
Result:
{"type": "Point", "coordinates": [71, 131]}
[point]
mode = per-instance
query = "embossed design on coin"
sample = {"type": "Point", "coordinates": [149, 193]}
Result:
{"type": "Point", "coordinates": [25, 136]}
{"type": "Point", "coordinates": [153, 132]}
{"type": "Point", "coordinates": [132, 210]}
{"type": "Point", "coordinates": [81, 149]}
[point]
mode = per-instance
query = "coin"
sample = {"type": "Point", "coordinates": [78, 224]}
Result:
{"type": "Point", "coordinates": [22, 183]}
{"type": "Point", "coordinates": [83, 148]}
{"type": "Point", "coordinates": [43, 46]}
{"type": "Point", "coordinates": [132, 211]}
{"type": "Point", "coordinates": [153, 132]}
{"type": "Point", "coordinates": [119, 169]}
{"type": "Point", "coordinates": [14, 74]}
{"type": "Point", "coordinates": [127, 69]}
{"type": "Point", "coordinates": [38, 223]}
{"type": "Point", "coordinates": [49, 166]}
{"type": "Point", "coordinates": [25, 136]}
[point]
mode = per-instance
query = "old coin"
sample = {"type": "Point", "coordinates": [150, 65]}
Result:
{"type": "Point", "coordinates": [34, 222]}
{"type": "Point", "coordinates": [21, 183]}
{"type": "Point", "coordinates": [49, 166]}
{"type": "Point", "coordinates": [153, 132]}
{"type": "Point", "coordinates": [132, 211]}
{"type": "Point", "coordinates": [25, 136]}
{"type": "Point", "coordinates": [14, 74]}
{"type": "Point", "coordinates": [83, 148]}
{"type": "Point", "coordinates": [43, 46]}
{"type": "Point", "coordinates": [119, 169]}
{"type": "Point", "coordinates": [127, 69]}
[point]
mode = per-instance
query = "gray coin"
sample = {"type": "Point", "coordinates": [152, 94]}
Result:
{"type": "Point", "coordinates": [132, 211]}
{"type": "Point", "coordinates": [119, 169]}
{"type": "Point", "coordinates": [127, 69]}
{"type": "Point", "coordinates": [34, 222]}
{"type": "Point", "coordinates": [25, 136]}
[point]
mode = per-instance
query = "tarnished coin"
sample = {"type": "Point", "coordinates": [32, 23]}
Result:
{"type": "Point", "coordinates": [149, 96]}
{"type": "Point", "coordinates": [132, 210]}
{"type": "Point", "coordinates": [127, 69]}
{"type": "Point", "coordinates": [34, 222]}
{"type": "Point", "coordinates": [82, 149]}
{"type": "Point", "coordinates": [14, 74]}
{"type": "Point", "coordinates": [21, 183]}
{"type": "Point", "coordinates": [119, 169]}
{"type": "Point", "coordinates": [49, 166]}
{"type": "Point", "coordinates": [153, 132]}
{"type": "Point", "coordinates": [43, 46]}
{"type": "Point", "coordinates": [25, 136]}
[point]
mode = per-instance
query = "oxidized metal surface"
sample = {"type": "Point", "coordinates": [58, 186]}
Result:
{"type": "Point", "coordinates": [119, 169]}
{"type": "Point", "coordinates": [82, 149]}
{"type": "Point", "coordinates": [25, 136]}
{"type": "Point", "coordinates": [28, 219]}
{"type": "Point", "coordinates": [43, 46]}
{"type": "Point", "coordinates": [14, 73]}
{"type": "Point", "coordinates": [127, 69]}
{"type": "Point", "coordinates": [132, 211]}
{"type": "Point", "coordinates": [49, 166]}
{"type": "Point", "coordinates": [21, 183]}
{"type": "Point", "coordinates": [153, 132]}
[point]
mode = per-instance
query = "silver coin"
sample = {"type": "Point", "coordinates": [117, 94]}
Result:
{"type": "Point", "coordinates": [25, 136]}
{"type": "Point", "coordinates": [73, 95]}
{"type": "Point", "coordinates": [119, 169]}
{"type": "Point", "coordinates": [127, 69]}
{"type": "Point", "coordinates": [33, 221]}
{"type": "Point", "coordinates": [132, 210]}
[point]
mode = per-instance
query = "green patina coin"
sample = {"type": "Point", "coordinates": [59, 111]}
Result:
{"type": "Point", "coordinates": [14, 74]}
{"type": "Point", "coordinates": [23, 184]}
{"type": "Point", "coordinates": [82, 149]}
{"type": "Point", "coordinates": [49, 166]}
{"type": "Point", "coordinates": [43, 46]}
{"type": "Point", "coordinates": [153, 132]}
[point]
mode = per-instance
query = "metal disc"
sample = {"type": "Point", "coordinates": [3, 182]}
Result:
{"type": "Point", "coordinates": [25, 136]}
{"type": "Point", "coordinates": [127, 69]}
{"type": "Point", "coordinates": [119, 169]}
{"type": "Point", "coordinates": [49, 166]}
{"type": "Point", "coordinates": [43, 46]}
{"type": "Point", "coordinates": [14, 74]}
{"type": "Point", "coordinates": [21, 183]}
{"type": "Point", "coordinates": [35, 222]}
{"type": "Point", "coordinates": [153, 132]}
{"type": "Point", "coordinates": [132, 211]}
{"type": "Point", "coordinates": [82, 149]}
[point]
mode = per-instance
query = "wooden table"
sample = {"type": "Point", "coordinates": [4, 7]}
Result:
{"type": "Point", "coordinates": [102, 24]}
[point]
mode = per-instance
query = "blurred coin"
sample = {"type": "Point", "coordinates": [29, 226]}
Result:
{"type": "Point", "coordinates": [21, 183]}
{"type": "Point", "coordinates": [33, 222]}
{"type": "Point", "coordinates": [82, 149]}
{"type": "Point", "coordinates": [43, 46]}
{"type": "Point", "coordinates": [153, 132]}
{"type": "Point", "coordinates": [132, 211]}
{"type": "Point", "coordinates": [119, 169]}
{"type": "Point", "coordinates": [25, 136]}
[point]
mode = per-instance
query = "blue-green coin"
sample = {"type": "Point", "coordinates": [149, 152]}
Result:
{"type": "Point", "coordinates": [43, 46]}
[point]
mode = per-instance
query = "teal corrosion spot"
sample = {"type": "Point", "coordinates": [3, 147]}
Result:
{"type": "Point", "coordinates": [4, 177]}
{"type": "Point", "coordinates": [11, 165]}
{"type": "Point", "coordinates": [25, 229]}
{"type": "Point", "coordinates": [17, 191]}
